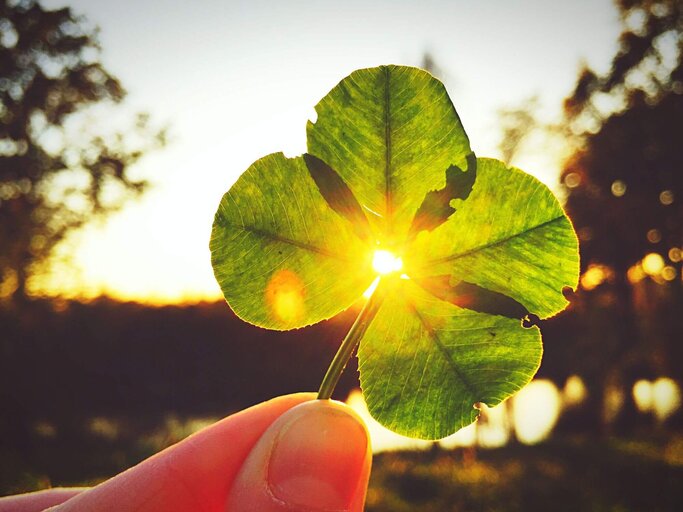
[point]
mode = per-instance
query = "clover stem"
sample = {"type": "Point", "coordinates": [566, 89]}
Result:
{"type": "Point", "coordinates": [353, 337]}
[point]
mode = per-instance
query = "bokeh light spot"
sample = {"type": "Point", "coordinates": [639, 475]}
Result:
{"type": "Point", "coordinates": [594, 276]}
{"type": "Point", "coordinates": [574, 391]}
{"type": "Point", "coordinates": [653, 264]}
{"type": "Point", "coordinates": [618, 188]}
{"type": "Point", "coordinates": [666, 397]}
{"type": "Point", "coordinates": [669, 273]}
{"type": "Point", "coordinates": [572, 180]}
{"type": "Point", "coordinates": [661, 397]}
{"type": "Point", "coordinates": [536, 410]}
{"type": "Point", "coordinates": [642, 395]}
{"type": "Point", "coordinates": [666, 197]}
{"type": "Point", "coordinates": [654, 236]}
{"type": "Point", "coordinates": [636, 273]}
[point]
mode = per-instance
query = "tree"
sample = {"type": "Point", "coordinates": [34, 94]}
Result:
{"type": "Point", "coordinates": [625, 196]}
{"type": "Point", "coordinates": [517, 123]}
{"type": "Point", "coordinates": [58, 169]}
{"type": "Point", "coordinates": [625, 185]}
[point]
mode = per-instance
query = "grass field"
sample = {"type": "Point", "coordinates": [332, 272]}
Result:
{"type": "Point", "coordinates": [559, 475]}
{"type": "Point", "coordinates": [570, 474]}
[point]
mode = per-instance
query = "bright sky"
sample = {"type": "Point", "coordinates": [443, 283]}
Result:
{"type": "Point", "coordinates": [236, 80]}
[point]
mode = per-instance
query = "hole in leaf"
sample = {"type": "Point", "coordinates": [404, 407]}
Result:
{"type": "Point", "coordinates": [436, 207]}
{"type": "Point", "coordinates": [530, 320]}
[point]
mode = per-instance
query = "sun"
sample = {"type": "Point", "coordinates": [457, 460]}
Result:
{"type": "Point", "coordinates": [384, 262]}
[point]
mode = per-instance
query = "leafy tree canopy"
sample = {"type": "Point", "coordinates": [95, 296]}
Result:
{"type": "Point", "coordinates": [625, 183]}
{"type": "Point", "coordinates": [50, 184]}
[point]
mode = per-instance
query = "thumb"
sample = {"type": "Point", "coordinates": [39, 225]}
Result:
{"type": "Point", "coordinates": [315, 457]}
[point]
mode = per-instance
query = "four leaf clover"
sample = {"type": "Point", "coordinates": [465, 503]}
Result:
{"type": "Point", "coordinates": [459, 255]}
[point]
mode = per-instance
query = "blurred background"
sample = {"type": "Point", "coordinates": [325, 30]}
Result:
{"type": "Point", "coordinates": [123, 123]}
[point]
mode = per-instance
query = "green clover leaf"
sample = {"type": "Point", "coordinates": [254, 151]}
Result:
{"type": "Point", "coordinates": [464, 252]}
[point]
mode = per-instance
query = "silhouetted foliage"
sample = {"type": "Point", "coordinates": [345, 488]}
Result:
{"type": "Point", "coordinates": [63, 364]}
{"type": "Point", "coordinates": [57, 170]}
{"type": "Point", "coordinates": [625, 197]}
{"type": "Point", "coordinates": [626, 184]}
{"type": "Point", "coordinates": [516, 124]}
{"type": "Point", "coordinates": [149, 360]}
{"type": "Point", "coordinates": [430, 64]}
{"type": "Point", "coordinates": [67, 367]}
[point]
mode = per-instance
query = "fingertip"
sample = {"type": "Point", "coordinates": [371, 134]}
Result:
{"type": "Point", "coordinates": [195, 474]}
{"type": "Point", "coordinates": [315, 457]}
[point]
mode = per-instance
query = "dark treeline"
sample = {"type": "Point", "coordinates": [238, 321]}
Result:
{"type": "Point", "coordinates": [64, 364]}
{"type": "Point", "coordinates": [106, 357]}
{"type": "Point", "coordinates": [67, 361]}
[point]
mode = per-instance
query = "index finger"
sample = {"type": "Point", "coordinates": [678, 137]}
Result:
{"type": "Point", "coordinates": [195, 474]}
{"type": "Point", "coordinates": [39, 500]}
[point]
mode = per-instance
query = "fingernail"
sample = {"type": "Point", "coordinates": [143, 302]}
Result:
{"type": "Point", "coordinates": [317, 460]}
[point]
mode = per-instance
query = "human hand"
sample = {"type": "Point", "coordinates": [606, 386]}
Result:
{"type": "Point", "coordinates": [292, 453]}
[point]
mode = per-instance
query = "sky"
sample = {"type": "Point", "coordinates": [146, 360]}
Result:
{"type": "Point", "coordinates": [237, 80]}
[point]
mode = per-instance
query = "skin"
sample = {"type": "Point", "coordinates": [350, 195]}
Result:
{"type": "Point", "coordinates": [292, 453]}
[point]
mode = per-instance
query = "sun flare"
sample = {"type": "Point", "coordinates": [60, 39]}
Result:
{"type": "Point", "coordinates": [384, 262]}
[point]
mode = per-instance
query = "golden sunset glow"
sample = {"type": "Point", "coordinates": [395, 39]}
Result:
{"type": "Point", "coordinates": [155, 251]}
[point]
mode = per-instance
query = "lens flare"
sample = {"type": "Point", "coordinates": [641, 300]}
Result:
{"type": "Point", "coordinates": [285, 294]}
{"type": "Point", "coordinates": [371, 289]}
{"type": "Point", "coordinates": [384, 262]}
